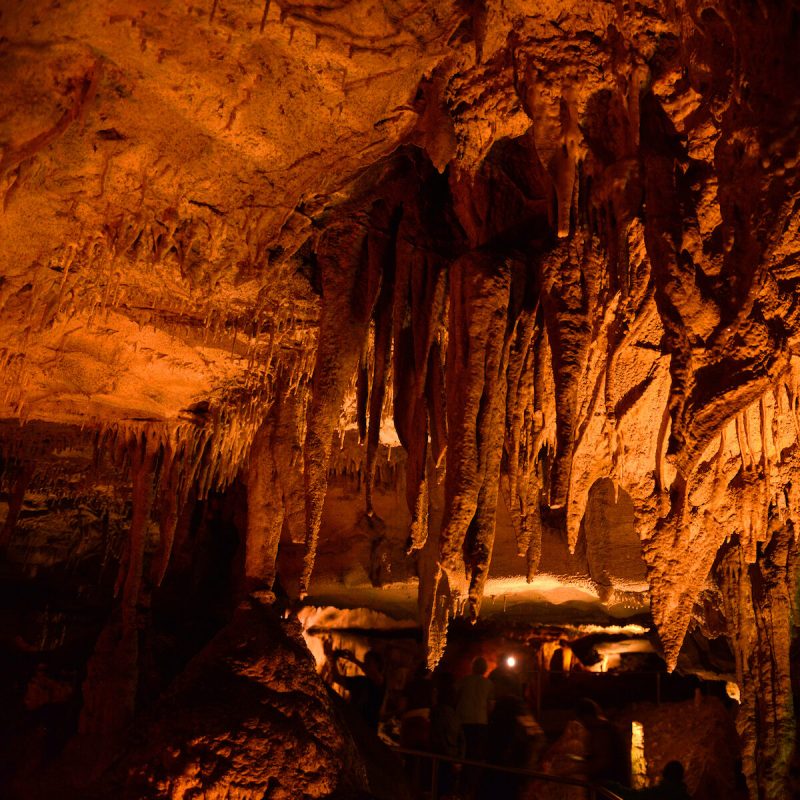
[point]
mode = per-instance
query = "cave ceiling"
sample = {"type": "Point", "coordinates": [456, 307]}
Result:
{"type": "Point", "coordinates": [473, 266]}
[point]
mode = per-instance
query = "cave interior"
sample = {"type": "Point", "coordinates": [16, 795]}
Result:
{"type": "Point", "coordinates": [432, 328]}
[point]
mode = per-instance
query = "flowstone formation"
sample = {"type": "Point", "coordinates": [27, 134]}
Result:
{"type": "Point", "coordinates": [544, 245]}
{"type": "Point", "coordinates": [247, 718]}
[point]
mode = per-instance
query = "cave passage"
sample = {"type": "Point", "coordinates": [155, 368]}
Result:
{"type": "Point", "coordinates": [378, 372]}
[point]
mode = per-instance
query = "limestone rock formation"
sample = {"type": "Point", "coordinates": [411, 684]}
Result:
{"type": "Point", "coordinates": [249, 718]}
{"type": "Point", "coordinates": [539, 255]}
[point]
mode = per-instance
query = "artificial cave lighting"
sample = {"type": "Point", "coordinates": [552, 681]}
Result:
{"type": "Point", "coordinates": [638, 764]}
{"type": "Point", "coordinates": [733, 691]}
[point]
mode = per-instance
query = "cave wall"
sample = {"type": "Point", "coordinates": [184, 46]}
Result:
{"type": "Point", "coordinates": [537, 247]}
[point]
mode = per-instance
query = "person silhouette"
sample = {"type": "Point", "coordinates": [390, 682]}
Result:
{"type": "Point", "coordinates": [447, 735]}
{"type": "Point", "coordinates": [367, 690]}
{"type": "Point", "coordinates": [475, 703]}
{"type": "Point", "coordinates": [670, 787]}
{"type": "Point", "coordinates": [607, 757]}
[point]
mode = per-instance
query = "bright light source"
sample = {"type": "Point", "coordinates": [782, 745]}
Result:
{"type": "Point", "coordinates": [511, 661]}
{"type": "Point", "coordinates": [638, 763]}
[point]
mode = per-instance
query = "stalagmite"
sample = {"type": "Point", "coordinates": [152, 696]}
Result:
{"type": "Point", "coordinates": [759, 606]}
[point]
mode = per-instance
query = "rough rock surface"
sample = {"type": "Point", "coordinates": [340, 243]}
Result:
{"type": "Point", "coordinates": [249, 718]}
{"type": "Point", "coordinates": [699, 734]}
{"type": "Point", "coordinates": [552, 244]}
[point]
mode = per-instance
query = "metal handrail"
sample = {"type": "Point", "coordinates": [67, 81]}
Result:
{"type": "Point", "coordinates": [594, 790]}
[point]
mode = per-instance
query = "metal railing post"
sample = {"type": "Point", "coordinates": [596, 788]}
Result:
{"type": "Point", "coordinates": [435, 779]}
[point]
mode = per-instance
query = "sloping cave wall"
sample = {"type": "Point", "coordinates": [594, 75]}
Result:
{"type": "Point", "coordinates": [542, 245]}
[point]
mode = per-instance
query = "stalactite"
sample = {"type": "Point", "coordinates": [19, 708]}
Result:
{"type": "Point", "coordinates": [381, 253]}
{"type": "Point", "coordinates": [341, 249]}
{"type": "Point", "coordinates": [519, 406]}
{"type": "Point", "coordinates": [479, 540]}
{"type": "Point", "coordinates": [287, 445]}
{"type": "Point", "coordinates": [383, 343]}
{"type": "Point", "coordinates": [564, 165]}
{"type": "Point", "coordinates": [436, 399]}
{"type": "Point", "coordinates": [570, 274]}
{"type": "Point", "coordinates": [143, 455]}
{"type": "Point", "coordinates": [541, 438]}
{"type": "Point", "coordinates": [476, 358]}
{"type": "Point", "coordinates": [362, 395]}
{"type": "Point", "coordinates": [274, 481]}
{"type": "Point", "coordinates": [112, 674]}
{"type": "Point", "coordinates": [591, 457]}
{"type": "Point", "coordinates": [265, 512]}
{"type": "Point", "coordinates": [172, 497]}
{"type": "Point", "coordinates": [417, 309]}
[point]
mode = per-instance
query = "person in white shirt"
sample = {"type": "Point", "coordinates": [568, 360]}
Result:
{"type": "Point", "coordinates": [475, 703]}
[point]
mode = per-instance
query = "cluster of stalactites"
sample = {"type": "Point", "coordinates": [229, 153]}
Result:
{"type": "Point", "coordinates": [166, 466]}
{"type": "Point", "coordinates": [458, 337]}
{"type": "Point", "coordinates": [484, 341]}
{"type": "Point", "coordinates": [742, 487]}
{"type": "Point", "coordinates": [528, 368]}
{"type": "Point", "coordinates": [381, 270]}
{"type": "Point", "coordinates": [558, 314]}
{"type": "Point", "coordinates": [486, 333]}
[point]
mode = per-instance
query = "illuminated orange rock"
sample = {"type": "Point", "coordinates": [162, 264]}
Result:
{"type": "Point", "coordinates": [539, 246]}
{"type": "Point", "coordinates": [248, 717]}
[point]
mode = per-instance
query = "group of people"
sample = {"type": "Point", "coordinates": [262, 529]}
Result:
{"type": "Point", "coordinates": [497, 728]}
{"type": "Point", "coordinates": [485, 719]}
